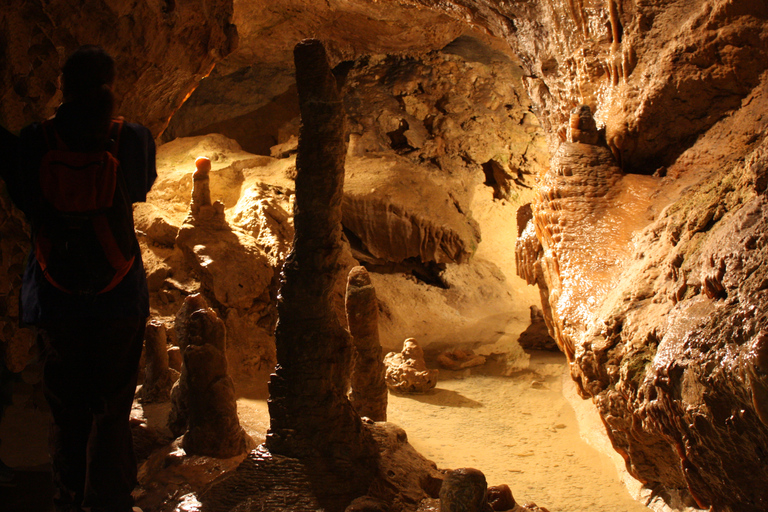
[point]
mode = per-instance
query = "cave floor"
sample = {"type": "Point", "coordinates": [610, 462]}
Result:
{"type": "Point", "coordinates": [526, 430]}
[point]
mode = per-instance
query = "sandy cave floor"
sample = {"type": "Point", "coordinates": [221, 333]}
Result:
{"type": "Point", "coordinates": [520, 430]}
{"type": "Point", "coordinates": [529, 431]}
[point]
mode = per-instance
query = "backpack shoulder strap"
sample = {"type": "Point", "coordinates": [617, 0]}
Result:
{"type": "Point", "coordinates": [52, 139]}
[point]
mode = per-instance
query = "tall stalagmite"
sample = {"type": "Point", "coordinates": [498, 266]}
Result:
{"type": "Point", "coordinates": [310, 416]}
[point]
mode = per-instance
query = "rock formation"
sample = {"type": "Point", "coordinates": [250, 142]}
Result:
{"type": "Point", "coordinates": [157, 69]}
{"type": "Point", "coordinates": [201, 207]}
{"type": "Point", "coordinates": [369, 390]}
{"type": "Point", "coordinates": [159, 377]}
{"type": "Point", "coordinates": [536, 336]}
{"type": "Point", "coordinates": [459, 359]}
{"type": "Point", "coordinates": [464, 490]}
{"type": "Point", "coordinates": [407, 372]}
{"type": "Point", "coordinates": [310, 415]}
{"type": "Point", "coordinates": [204, 407]}
{"type": "Point", "coordinates": [652, 286]}
{"type": "Point", "coordinates": [500, 497]}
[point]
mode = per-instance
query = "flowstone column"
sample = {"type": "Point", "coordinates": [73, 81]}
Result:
{"type": "Point", "coordinates": [310, 416]}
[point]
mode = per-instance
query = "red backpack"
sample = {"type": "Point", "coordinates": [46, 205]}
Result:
{"type": "Point", "coordinates": [84, 237]}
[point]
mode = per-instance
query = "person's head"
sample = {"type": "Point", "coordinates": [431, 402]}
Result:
{"type": "Point", "coordinates": [87, 79]}
{"type": "Point", "coordinates": [88, 69]}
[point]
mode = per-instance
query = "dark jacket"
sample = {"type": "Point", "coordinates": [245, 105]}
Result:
{"type": "Point", "coordinates": [40, 301]}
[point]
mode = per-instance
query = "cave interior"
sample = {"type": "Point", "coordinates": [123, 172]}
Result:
{"type": "Point", "coordinates": [569, 192]}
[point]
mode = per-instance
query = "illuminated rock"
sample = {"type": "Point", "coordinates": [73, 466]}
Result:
{"type": "Point", "coordinates": [159, 377]}
{"type": "Point", "coordinates": [204, 406]}
{"type": "Point", "coordinates": [581, 126]}
{"type": "Point", "coordinates": [459, 359]}
{"type": "Point", "coordinates": [407, 372]}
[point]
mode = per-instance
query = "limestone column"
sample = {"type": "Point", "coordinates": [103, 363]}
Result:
{"type": "Point", "coordinates": [310, 415]}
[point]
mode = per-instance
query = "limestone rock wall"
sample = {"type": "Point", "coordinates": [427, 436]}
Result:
{"type": "Point", "coordinates": [162, 50]}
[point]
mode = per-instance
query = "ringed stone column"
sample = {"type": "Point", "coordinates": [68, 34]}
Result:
{"type": "Point", "coordinates": [310, 415]}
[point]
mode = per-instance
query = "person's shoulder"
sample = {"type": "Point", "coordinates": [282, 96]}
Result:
{"type": "Point", "coordinates": [137, 128]}
{"type": "Point", "coordinates": [31, 132]}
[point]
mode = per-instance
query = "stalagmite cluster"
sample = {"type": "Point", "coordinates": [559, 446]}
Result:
{"type": "Point", "coordinates": [310, 415]}
{"type": "Point", "coordinates": [635, 129]}
{"type": "Point", "coordinates": [204, 407]}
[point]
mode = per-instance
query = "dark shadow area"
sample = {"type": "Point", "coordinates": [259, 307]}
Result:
{"type": "Point", "coordinates": [30, 490]}
{"type": "Point", "coordinates": [444, 398]}
{"type": "Point", "coordinates": [261, 129]}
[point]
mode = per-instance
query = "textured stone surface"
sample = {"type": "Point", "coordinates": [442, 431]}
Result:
{"type": "Point", "coordinates": [369, 391]}
{"type": "Point", "coordinates": [310, 415]}
{"type": "Point", "coordinates": [407, 372]}
{"type": "Point", "coordinates": [161, 50]}
{"type": "Point", "coordinates": [464, 490]}
{"type": "Point", "coordinates": [500, 497]}
{"type": "Point", "coordinates": [159, 377]}
{"type": "Point", "coordinates": [536, 336]}
{"type": "Point", "coordinates": [277, 482]}
{"type": "Point", "coordinates": [671, 349]}
{"type": "Point", "coordinates": [204, 407]}
{"type": "Point", "coordinates": [678, 87]}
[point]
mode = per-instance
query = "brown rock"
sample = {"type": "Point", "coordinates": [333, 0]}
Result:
{"type": "Point", "coordinates": [204, 405]}
{"type": "Point", "coordinates": [536, 336]}
{"type": "Point", "coordinates": [459, 359]}
{"type": "Point", "coordinates": [369, 390]}
{"type": "Point", "coordinates": [158, 376]}
{"type": "Point", "coordinates": [500, 497]}
{"type": "Point", "coordinates": [464, 490]}
{"type": "Point", "coordinates": [310, 415]}
{"type": "Point", "coordinates": [367, 504]}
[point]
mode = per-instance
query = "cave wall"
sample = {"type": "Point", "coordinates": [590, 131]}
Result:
{"type": "Point", "coordinates": [162, 50]}
{"type": "Point", "coordinates": [672, 353]}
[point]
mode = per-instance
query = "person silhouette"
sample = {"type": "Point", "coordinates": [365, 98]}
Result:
{"type": "Point", "coordinates": [91, 342]}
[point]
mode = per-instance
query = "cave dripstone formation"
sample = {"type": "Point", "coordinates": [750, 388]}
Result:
{"type": "Point", "coordinates": [665, 335]}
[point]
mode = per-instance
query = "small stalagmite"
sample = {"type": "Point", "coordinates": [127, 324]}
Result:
{"type": "Point", "coordinates": [581, 126]}
{"type": "Point", "coordinates": [369, 390]}
{"type": "Point", "coordinates": [407, 372]}
{"type": "Point", "coordinates": [204, 407]}
{"type": "Point", "coordinates": [159, 377]}
{"type": "Point", "coordinates": [201, 208]}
